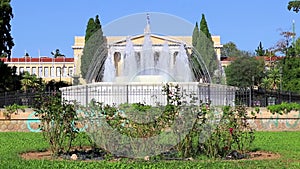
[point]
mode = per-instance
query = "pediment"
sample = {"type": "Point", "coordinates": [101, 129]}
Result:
{"type": "Point", "coordinates": [139, 40]}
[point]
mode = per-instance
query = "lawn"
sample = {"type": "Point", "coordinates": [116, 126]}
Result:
{"type": "Point", "coordinates": [287, 144]}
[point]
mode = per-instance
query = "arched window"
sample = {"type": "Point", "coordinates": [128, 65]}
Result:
{"type": "Point", "coordinates": [138, 59]}
{"type": "Point", "coordinates": [174, 57]}
{"type": "Point", "coordinates": [156, 58]}
{"type": "Point", "coordinates": [117, 58]}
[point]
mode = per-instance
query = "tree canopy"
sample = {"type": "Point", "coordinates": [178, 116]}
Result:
{"type": "Point", "coordinates": [57, 53]}
{"type": "Point", "coordinates": [230, 50]}
{"type": "Point", "coordinates": [204, 28]}
{"type": "Point", "coordinates": [290, 73]}
{"type": "Point", "coordinates": [260, 50]}
{"type": "Point", "coordinates": [6, 40]}
{"type": "Point", "coordinates": [94, 39]}
{"type": "Point", "coordinates": [203, 43]}
{"type": "Point", "coordinates": [294, 5]}
{"type": "Point", "coordinates": [244, 72]}
{"type": "Point", "coordinates": [9, 80]}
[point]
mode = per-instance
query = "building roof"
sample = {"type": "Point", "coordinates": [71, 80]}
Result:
{"type": "Point", "coordinates": [39, 59]}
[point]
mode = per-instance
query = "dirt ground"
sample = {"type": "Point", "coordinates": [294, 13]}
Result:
{"type": "Point", "coordinates": [258, 155]}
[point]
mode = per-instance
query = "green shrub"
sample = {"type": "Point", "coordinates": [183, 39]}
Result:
{"type": "Point", "coordinates": [57, 123]}
{"type": "Point", "coordinates": [283, 108]}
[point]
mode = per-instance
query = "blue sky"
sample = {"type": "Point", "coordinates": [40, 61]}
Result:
{"type": "Point", "coordinates": [43, 26]}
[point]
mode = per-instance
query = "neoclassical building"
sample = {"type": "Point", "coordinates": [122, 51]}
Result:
{"type": "Point", "coordinates": [58, 69]}
{"type": "Point", "coordinates": [117, 45]}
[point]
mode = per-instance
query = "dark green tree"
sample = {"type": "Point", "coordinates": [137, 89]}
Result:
{"type": "Point", "coordinates": [271, 81]}
{"type": "Point", "coordinates": [9, 80]}
{"type": "Point", "coordinates": [290, 73]}
{"type": "Point", "coordinates": [230, 50]}
{"type": "Point", "coordinates": [204, 27]}
{"type": "Point", "coordinates": [294, 5]}
{"type": "Point", "coordinates": [57, 53]}
{"type": "Point", "coordinates": [195, 35]}
{"type": "Point", "coordinates": [94, 40]}
{"type": "Point", "coordinates": [90, 29]}
{"type": "Point", "coordinates": [243, 70]}
{"type": "Point", "coordinates": [6, 40]}
{"type": "Point", "coordinates": [205, 47]}
{"type": "Point", "coordinates": [260, 50]}
{"type": "Point", "coordinates": [297, 47]}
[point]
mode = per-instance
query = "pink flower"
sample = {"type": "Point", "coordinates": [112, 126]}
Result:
{"type": "Point", "coordinates": [231, 130]}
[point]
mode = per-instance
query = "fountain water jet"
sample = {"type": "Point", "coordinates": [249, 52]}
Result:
{"type": "Point", "coordinates": [147, 58]}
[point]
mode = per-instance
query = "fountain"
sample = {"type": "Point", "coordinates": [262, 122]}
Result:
{"type": "Point", "coordinates": [136, 70]}
{"type": "Point", "coordinates": [165, 61]}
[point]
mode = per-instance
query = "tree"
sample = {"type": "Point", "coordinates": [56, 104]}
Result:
{"type": "Point", "coordinates": [94, 40]}
{"type": "Point", "coordinates": [230, 50]}
{"type": "Point", "coordinates": [205, 47]}
{"type": "Point", "coordinates": [9, 80]}
{"type": "Point", "coordinates": [57, 53]}
{"type": "Point", "coordinates": [243, 70]}
{"type": "Point", "coordinates": [195, 35]}
{"type": "Point", "coordinates": [297, 47]}
{"type": "Point", "coordinates": [285, 45]}
{"type": "Point", "coordinates": [6, 40]}
{"type": "Point", "coordinates": [290, 73]}
{"type": "Point", "coordinates": [272, 79]}
{"type": "Point", "coordinates": [204, 27]}
{"type": "Point", "coordinates": [294, 5]}
{"type": "Point", "coordinates": [30, 82]}
{"type": "Point", "coordinates": [260, 50]}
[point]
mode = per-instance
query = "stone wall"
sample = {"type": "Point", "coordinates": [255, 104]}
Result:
{"type": "Point", "coordinates": [21, 122]}
{"type": "Point", "coordinates": [264, 121]}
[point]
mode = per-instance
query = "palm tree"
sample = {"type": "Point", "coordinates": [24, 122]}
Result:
{"type": "Point", "coordinates": [272, 80]}
{"type": "Point", "coordinates": [29, 81]}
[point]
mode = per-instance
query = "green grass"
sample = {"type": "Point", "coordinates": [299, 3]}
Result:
{"type": "Point", "coordinates": [287, 144]}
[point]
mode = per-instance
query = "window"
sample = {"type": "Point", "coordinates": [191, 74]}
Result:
{"type": "Point", "coordinates": [21, 70]}
{"type": "Point", "coordinates": [33, 71]}
{"type": "Point", "coordinates": [65, 71]}
{"type": "Point", "coordinates": [57, 71]}
{"type": "Point", "coordinates": [40, 71]}
{"type": "Point", "coordinates": [52, 71]}
{"type": "Point", "coordinates": [46, 71]}
{"type": "Point", "coordinates": [156, 58]}
{"type": "Point", "coordinates": [28, 69]}
{"type": "Point", "coordinates": [70, 71]}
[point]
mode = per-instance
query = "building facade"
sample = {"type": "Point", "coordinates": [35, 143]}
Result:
{"type": "Point", "coordinates": [58, 69]}
{"type": "Point", "coordinates": [119, 44]}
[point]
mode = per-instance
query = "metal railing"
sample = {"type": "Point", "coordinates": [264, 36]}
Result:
{"type": "Point", "coordinates": [148, 93]}
{"type": "Point", "coordinates": [110, 93]}
{"type": "Point", "coordinates": [29, 98]}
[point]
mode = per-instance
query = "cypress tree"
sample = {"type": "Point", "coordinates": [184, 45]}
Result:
{"type": "Point", "coordinates": [195, 35]}
{"type": "Point", "coordinates": [204, 27]}
{"type": "Point", "coordinates": [90, 29]}
{"type": "Point", "coordinates": [205, 47]}
{"type": "Point", "coordinates": [94, 39]}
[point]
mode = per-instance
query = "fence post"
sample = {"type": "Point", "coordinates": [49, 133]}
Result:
{"type": "Point", "coordinates": [86, 95]}
{"type": "Point", "coordinates": [208, 93]}
{"type": "Point", "coordinates": [127, 93]}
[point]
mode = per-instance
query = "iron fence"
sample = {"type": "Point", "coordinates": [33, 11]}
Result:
{"type": "Point", "coordinates": [28, 98]}
{"type": "Point", "coordinates": [152, 94]}
{"type": "Point", "coordinates": [263, 98]}
{"type": "Point", "coordinates": [148, 93]}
